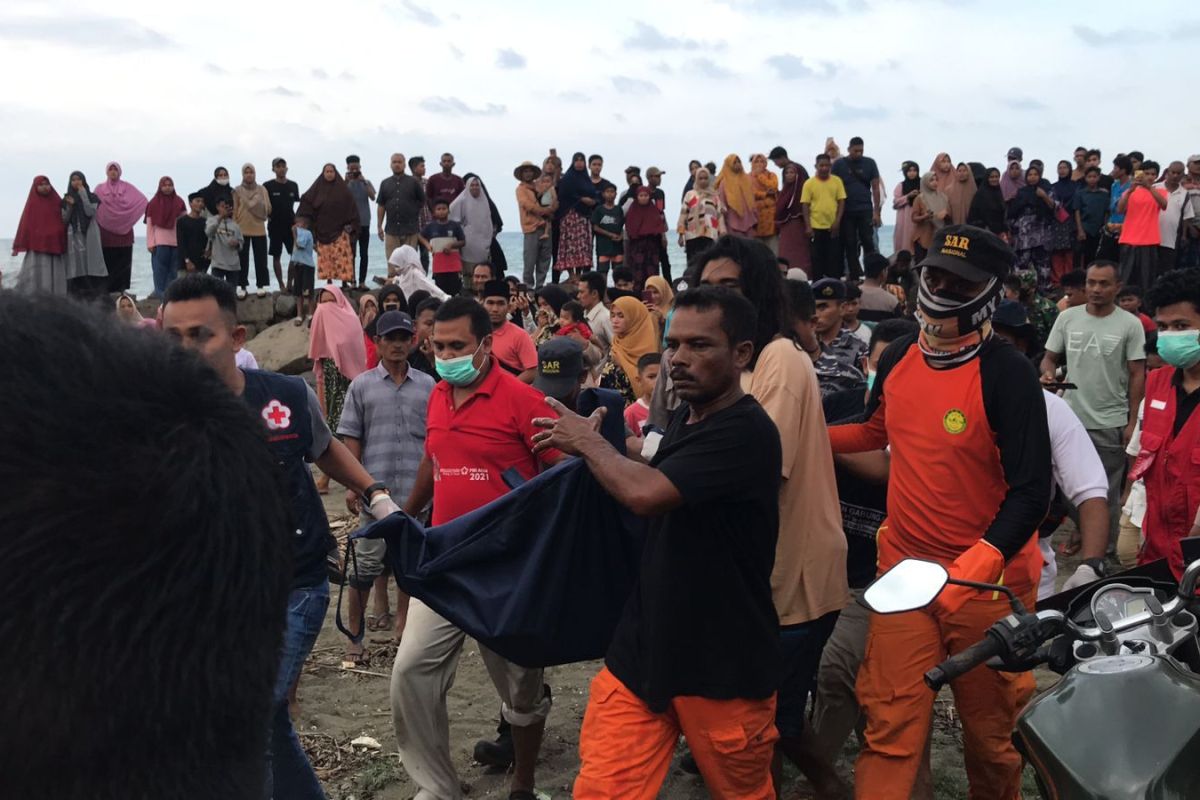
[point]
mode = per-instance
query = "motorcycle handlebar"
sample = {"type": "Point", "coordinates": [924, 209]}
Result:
{"type": "Point", "coordinates": [963, 662]}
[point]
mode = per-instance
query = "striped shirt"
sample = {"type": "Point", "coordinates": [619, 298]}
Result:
{"type": "Point", "coordinates": [389, 421]}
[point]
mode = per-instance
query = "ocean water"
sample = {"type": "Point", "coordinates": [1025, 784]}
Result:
{"type": "Point", "coordinates": [511, 243]}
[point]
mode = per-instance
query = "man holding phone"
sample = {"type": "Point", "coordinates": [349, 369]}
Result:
{"type": "Point", "coordinates": [364, 193]}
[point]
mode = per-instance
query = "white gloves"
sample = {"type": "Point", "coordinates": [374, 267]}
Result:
{"type": "Point", "coordinates": [382, 506]}
{"type": "Point", "coordinates": [1083, 575]}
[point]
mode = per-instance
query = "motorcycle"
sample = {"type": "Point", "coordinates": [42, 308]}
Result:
{"type": "Point", "coordinates": [1124, 720]}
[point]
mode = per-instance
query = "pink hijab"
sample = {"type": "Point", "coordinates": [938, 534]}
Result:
{"type": "Point", "coordinates": [121, 204]}
{"type": "Point", "coordinates": [337, 334]}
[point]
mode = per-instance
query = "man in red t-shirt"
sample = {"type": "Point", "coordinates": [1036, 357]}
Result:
{"type": "Point", "coordinates": [479, 425]}
{"type": "Point", "coordinates": [511, 345]}
{"type": "Point", "coordinates": [1141, 204]}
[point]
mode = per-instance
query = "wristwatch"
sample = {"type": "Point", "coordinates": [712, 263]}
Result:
{"type": "Point", "coordinates": [1098, 565]}
{"type": "Point", "coordinates": [377, 486]}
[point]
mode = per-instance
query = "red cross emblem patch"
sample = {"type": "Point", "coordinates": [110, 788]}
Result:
{"type": "Point", "coordinates": [277, 415]}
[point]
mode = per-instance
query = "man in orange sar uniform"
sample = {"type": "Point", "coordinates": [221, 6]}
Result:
{"type": "Point", "coordinates": [969, 484]}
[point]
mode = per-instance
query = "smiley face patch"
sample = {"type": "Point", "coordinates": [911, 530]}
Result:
{"type": "Point", "coordinates": [955, 421]}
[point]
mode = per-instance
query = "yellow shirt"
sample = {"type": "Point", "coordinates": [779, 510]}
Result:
{"type": "Point", "coordinates": [823, 196]}
{"type": "Point", "coordinates": [809, 579]}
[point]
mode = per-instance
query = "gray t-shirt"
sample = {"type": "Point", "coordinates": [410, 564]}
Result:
{"type": "Point", "coordinates": [359, 189]}
{"type": "Point", "coordinates": [1098, 351]}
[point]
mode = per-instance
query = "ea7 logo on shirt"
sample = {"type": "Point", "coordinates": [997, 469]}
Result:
{"type": "Point", "coordinates": [955, 421]}
{"type": "Point", "coordinates": [277, 416]}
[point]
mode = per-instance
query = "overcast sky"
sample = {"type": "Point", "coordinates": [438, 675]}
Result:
{"type": "Point", "coordinates": [178, 88]}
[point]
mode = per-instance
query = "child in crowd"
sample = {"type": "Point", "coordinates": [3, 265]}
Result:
{"type": "Point", "coordinates": [544, 187]}
{"type": "Point", "coordinates": [225, 242]}
{"type": "Point", "coordinates": [571, 319]}
{"type": "Point", "coordinates": [623, 278]}
{"type": "Point", "coordinates": [639, 411]}
{"type": "Point", "coordinates": [450, 239]}
{"type": "Point", "coordinates": [608, 221]}
{"type": "Point", "coordinates": [1090, 207]}
{"type": "Point", "coordinates": [192, 236]}
{"type": "Point", "coordinates": [850, 320]}
{"type": "Point", "coordinates": [1130, 299]}
{"type": "Point", "coordinates": [303, 267]}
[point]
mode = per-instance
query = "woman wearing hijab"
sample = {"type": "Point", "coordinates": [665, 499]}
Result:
{"type": "Point", "coordinates": [659, 300]}
{"type": "Point", "coordinates": [576, 199]}
{"type": "Point", "coordinates": [903, 197]}
{"type": "Point", "coordinates": [766, 192]}
{"type": "Point", "coordinates": [931, 211]}
{"type": "Point", "coordinates": [87, 276]}
{"type": "Point", "coordinates": [473, 212]}
{"type": "Point", "coordinates": [988, 210]}
{"type": "Point", "coordinates": [333, 217]}
{"type": "Point", "coordinates": [162, 212]}
{"type": "Point", "coordinates": [217, 188]}
{"type": "Point", "coordinates": [127, 312]}
{"type": "Point", "coordinates": [550, 300]}
{"type": "Point", "coordinates": [42, 237]}
{"type": "Point", "coordinates": [645, 226]}
{"type": "Point", "coordinates": [736, 189]}
{"type": "Point", "coordinates": [496, 256]}
{"type": "Point", "coordinates": [368, 312]}
{"type": "Point", "coordinates": [1030, 215]}
{"type": "Point", "coordinates": [405, 271]}
{"type": "Point", "coordinates": [337, 352]}
{"type": "Point", "coordinates": [634, 335]}
{"type": "Point", "coordinates": [1062, 231]}
{"type": "Point", "coordinates": [251, 208]}
{"type": "Point", "coordinates": [1011, 181]}
{"type": "Point", "coordinates": [957, 184]}
{"type": "Point", "coordinates": [121, 207]}
{"type": "Point", "coordinates": [702, 217]}
{"type": "Point", "coordinates": [789, 219]}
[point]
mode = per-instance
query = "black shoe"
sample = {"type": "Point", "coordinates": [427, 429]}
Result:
{"type": "Point", "coordinates": [498, 753]}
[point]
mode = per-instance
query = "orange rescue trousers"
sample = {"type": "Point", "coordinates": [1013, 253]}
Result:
{"type": "Point", "coordinates": [626, 748]}
{"type": "Point", "coordinates": [899, 706]}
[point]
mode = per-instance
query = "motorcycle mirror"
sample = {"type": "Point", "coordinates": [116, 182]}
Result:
{"type": "Point", "coordinates": [911, 584]}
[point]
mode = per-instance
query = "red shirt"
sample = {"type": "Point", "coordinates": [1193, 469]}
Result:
{"type": "Point", "coordinates": [1140, 228]}
{"type": "Point", "coordinates": [512, 345]}
{"type": "Point", "coordinates": [472, 446]}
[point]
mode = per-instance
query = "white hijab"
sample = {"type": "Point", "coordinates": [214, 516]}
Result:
{"type": "Point", "coordinates": [475, 216]}
{"type": "Point", "coordinates": [410, 275]}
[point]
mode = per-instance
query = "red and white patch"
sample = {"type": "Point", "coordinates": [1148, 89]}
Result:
{"type": "Point", "coordinates": [278, 416]}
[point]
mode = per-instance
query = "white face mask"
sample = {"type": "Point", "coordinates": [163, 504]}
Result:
{"type": "Point", "coordinates": [222, 181]}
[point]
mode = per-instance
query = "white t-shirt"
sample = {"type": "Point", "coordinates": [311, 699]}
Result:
{"type": "Point", "coordinates": [1074, 461]}
{"type": "Point", "coordinates": [1178, 209]}
{"type": "Point", "coordinates": [862, 333]}
{"type": "Point", "coordinates": [245, 359]}
{"type": "Point", "coordinates": [1135, 505]}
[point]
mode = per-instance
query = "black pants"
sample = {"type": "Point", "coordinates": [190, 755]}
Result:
{"type": "Point", "coordinates": [361, 245]}
{"type": "Point", "coordinates": [448, 282]}
{"type": "Point", "coordinates": [1086, 253]}
{"type": "Point", "coordinates": [857, 230]}
{"type": "Point", "coordinates": [693, 248]}
{"type": "Point", "coordinates": [1166, 261]}
{"type": "Point", "coordinates": [826, 255]}
{"type": "Point", "coordinates": [1107, 248]}
{"type": "Point", "coordinates": [259, 245]}
{"type": "Point", "coordinates": [1139, 265]}
{"type": "Point", "coordinates": [664, 259]}
{"type": "Point", "coordinates": [119, 263]}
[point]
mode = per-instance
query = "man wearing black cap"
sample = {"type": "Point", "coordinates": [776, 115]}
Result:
{"type": "Point", "coordinates": [560, 371]}
{"type": "Point", "coordinates": [383, 426]}
{"type": "Point", "coordinates": [284, 195]}
{"type": "Point", "coordinates": [839, 363]}
{"type": "Point", "coordinates": [364, 192]}
{"type": "Point", "coordinates": [969, 484]}
{"type": "Point", "coordinates": [511, 345]}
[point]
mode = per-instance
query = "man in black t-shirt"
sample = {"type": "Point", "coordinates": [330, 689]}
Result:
{"type": "Point", "coordinates": [284, 195]}
{"type": "Point", "coordinates": [696, 650]}
{"type": "Point", "coordinates": [864, 204]}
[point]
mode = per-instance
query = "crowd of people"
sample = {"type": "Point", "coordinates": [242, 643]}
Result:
{"type": "Point", "coordinates": [801, 412]}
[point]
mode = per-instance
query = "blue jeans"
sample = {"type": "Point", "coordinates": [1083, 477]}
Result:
{"type": "Point", "coordinates": [164, 263]}
{"type": "Point", "coordinates": [800, 649]}
{"type": "Point", "coordinates": [289, 775]}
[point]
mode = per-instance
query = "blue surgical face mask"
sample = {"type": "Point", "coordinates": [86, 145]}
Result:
{"type": "Point", "coordinates": [1179, 348]}
{"type": "Point", "coordinates": [870, 379]}
{"type": "Point", "coordinates": [460, 371]}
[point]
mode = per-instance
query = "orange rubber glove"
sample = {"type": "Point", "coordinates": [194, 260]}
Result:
{"type": "Point", "coordinates": [982, 563]}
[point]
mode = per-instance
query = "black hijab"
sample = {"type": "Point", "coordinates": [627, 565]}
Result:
{"type": "Point", "coordinates": [79, 221]}
{"type": "Point", "coordinates": [573, 186]}
{"type": "Point", "coordinates": [384, 293]}
{"type": "Point", "coordinates": [910, 184]}
{"type": "Point", "coordinates": [215, 191]}
{"type": "Point", "coordinates": [987, 207]}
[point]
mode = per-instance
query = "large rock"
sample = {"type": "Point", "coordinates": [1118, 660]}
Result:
{"type": "Point", "coordinates": [282, 348]}
{"type": "Point", "coordinates": [257, 311]}
{"type": "Point", "coordinates": [285, 306]}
